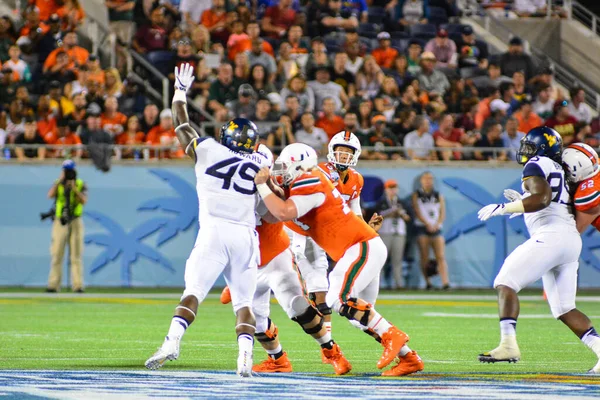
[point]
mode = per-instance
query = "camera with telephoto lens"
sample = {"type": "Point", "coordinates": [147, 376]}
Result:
{"type": "Point", "coordinates": [70, 176]}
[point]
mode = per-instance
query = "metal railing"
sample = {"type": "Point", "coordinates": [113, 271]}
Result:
{"type": "Point", "coordinates": [580, 13]}
{"type": "Point", "coordinates": [562, 75]}
{"type": "Point", "coordinates": [146, 152]}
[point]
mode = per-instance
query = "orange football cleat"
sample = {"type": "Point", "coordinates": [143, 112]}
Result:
{"type": "Point", "coordinates": [335, 357]}
{"type": "Point", "coordinates": [392, 341]}
{"type": "Point", "coordinates": [409, 364]}
{"type": "Point", "coordinates": [282, 364]}
{"type": "Point", "coordinates": [226, 296]}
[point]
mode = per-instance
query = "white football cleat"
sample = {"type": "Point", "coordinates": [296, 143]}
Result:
{"type": "Point", "coordinates": [504, 353]}
{"type": "Point", "coordinates": [244, 364]}
{"type": "Point", "coordinates": [168, 351]}
{"type": "Point", "coordinates": [595, 370]}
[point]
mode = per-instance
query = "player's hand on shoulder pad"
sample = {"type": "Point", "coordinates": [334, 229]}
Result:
{"type": "Point", "coordinates": [262, 176]}
{"type": "Point", "coordinates": [184, 77]}
{"type": "Point", "coordinates": [490, 211]}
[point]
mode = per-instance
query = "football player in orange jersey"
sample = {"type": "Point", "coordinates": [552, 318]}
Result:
{"type": "Point", "coordinates": [344, 151]}
{"type": "Point", "coordinates": [359, 252]}
{"type": "Point", "coordinates": [276, 272]}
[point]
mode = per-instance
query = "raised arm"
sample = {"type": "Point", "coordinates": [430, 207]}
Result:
{"type": "Point", "coordinates": [185, 133]}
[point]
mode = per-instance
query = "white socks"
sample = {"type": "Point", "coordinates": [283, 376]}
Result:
{"type": "Point", "coordinates": [591, 339]}
{"type": "Point", "coordinates": [245, 342]}
{"type": "Point", "coordinates": [378, 323]}
{"type": "Point", "coordinates": [326, 338]}
{"type": "Point", "coordinates": [277, 350]}
{"type": "Point", "coordinates": [327, 326]}
{"type": "Point", "coordinates": [508, 327]}
{"type": "Point", "coordinates": [177, 328]}
{"type": "Point", "coordinates": [404, 351]}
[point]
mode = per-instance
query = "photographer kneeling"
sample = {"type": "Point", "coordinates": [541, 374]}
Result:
{"type": "Point", "coordinates": [70, 196]}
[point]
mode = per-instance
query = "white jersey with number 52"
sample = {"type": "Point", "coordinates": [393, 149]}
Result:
{"type": "Point", "coordinates": [225, 182]}
{"type": "Point", "coordinates": [557, 217]}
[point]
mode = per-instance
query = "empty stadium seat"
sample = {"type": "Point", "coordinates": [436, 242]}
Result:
{"type": "Point", "coordinates": [437, 16]}
{"type": "Point", "coordinates": [423, 31]}
{"type": "Point", "coordinates": [453, 28]}
{"type": "Point", "coordinates": [376, 15]}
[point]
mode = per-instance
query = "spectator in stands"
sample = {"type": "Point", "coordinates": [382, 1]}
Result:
{"type": "Point", "coordinates": [258, 56]}
{"type": "Point", "coordinates": [113, 121]}
{"type": "Point", "coordinates": [113, 86]}
{"type": "Point", "coordinates": [149, 118]}
{"type": "Point", "coordinates": [59, 104]}
{"type": "Point", "coordinates": [282, 135]}
{"type": "Point", "coordinates": [14, 120]}
{"type": "Point", "coordinates": [507, 95]}
{"type": "Point", "coordinates": [335, 19]}
{"type": "Point", "coordinates": [544, 102]}
{"type": "Point", "coordinates": [384, 55]}
{"type": "Point", "coordinates": [72, 15]}
{"type": "Point", "coordinates": [577, 107]}
{"type": "Point", "coordinates": [430, 213]}
{"type": "Point", "coordinates": [92, 132]}
{"type": "Point", "coordinates": [330, 122]}
{"type": "Point", "coordinates": [120, 16]}
{"type": "Point", "coordinates": [443, 49]}
{"type": "Point", "coordinates": [491, 140]}
{"type": "Point", "coordinates": [470, 53]}
{"type": "Point", "coordinates": [408, 100]}
{"type": "Point", "coordinates": [341, 76]}
{"type": "Point", "coordinates": [132, 101]}
{"type": "Point", "coordinates": [487, 84]}
{"type": "Point", "coordinates": [192, 11]}
{"type": "Point", "coordinates": [66, 137]}
{"type": "Point", "coordinates": [351, 124]}
{"type": "Point", "coordinates": [498, 114]}
{"type": "Point", "coordinates": [399, 70]}
{"type": "Point", "coordinates": [466, 121]}
{"type": "Point", "coordinates": [311, 135]}
{"type": "Point", "coordinates": [33, 23]}
{"type": "Point", "coordinates": [49, 41]}
{"type": "Point", "coordinates": [511, 137]}
{"type": "Point", "coordinates": [163, 134]}
{"type": "Point", "coordinates": [94, 70]}
{"type": "Point", "coordinates": [419, 144]}
{"type": "Point", "coordinates": [526, 118]}
{"type": "Point", "coordinates": [459, 91]}
{"type": "Point", "coordinates": [264, 111]}
{"type": "Point", "coordinates": [563, 122]}
{"type": "Point", "coordinates": [46, 7]}
{"type": "Point", "coordinates": [546, 77]}
{"type": "Point", "coordinates": [222, 90]}
{"type": "Point", "coordinates": [201, 40]}
{"type": "Point", "coordinates": [287, 66]}
{"type": "Point", "coordinates": [430, 79]}
{"type": "Point", "coordinates": [278, 19]}
{"type": "Point", "coordinates": [153, 37]}
{"type": "Point", "coordinates": [584, 134]}
{"type": "Point", "coordinates": [516, 59]}
{"type": "Point", "coordinates": [355, 61]}
{"type": "Point", "coordinates": [19, 67]}
{"type": "Point", "coordinates": [77, 55]}
{"type": "Point", "coordinates": [214, 19]}
{"type": "Point", "coordinates": [291, 108]}
{"type": "Point", "coordinates": [237, 34]}
{"type": "Point", "coordinates": [352, 37]}
{"type": "Point", "coordinates": [369, 79]}
{"type": "Point", "coordinates": [299, 45]}
{"type": "Point", "coordinates": [324, 88]}
{"type": "Point", "coordinates": [414, 57]}
{"type": "Point", "coordinates": [297, 87]}
{"type": "Point", "coordinates": [365, 113]}
{"type": "Point", "coordinates": [131, 136]}
{"type": "Point", "coordinates": [78, 115]}
{"type": "Point", "coordinates": [405, 123]}
{"type": "Point", "coordinates": [381, 137]}
{"type": "Point", "coordinates": [318, 58]}
{"type": "Point", "coordinates": [241, 67]}
{"type": "Point", "coordinates": [522, 90]}
{"type": "Point", "coordinates": [244, 45]}
{"type": "Point", "coordinates": [258, 79]}
{"type": "Point", "coordinates": [357, 8]}
{"type": "Point", "coordinates": [448, 136]}
{"type": "Point", "coordinates": [60, 72]}
{"type": "Point", "coordinates": [386, 99]}
{"type": "Point", "coordinates": [185, 54]}
{"type": "Point", "coordinates": [8, 35]}
{"type": "Point", "coordinates": [537, 8]}
{"type": "Point", "coordinates": [412, 12]}
{"type": "Point", "coordinates": [46, 121]}
{"type": "Point", "coordinates": [245, 104]}
{"type": "Point", "coordinates": [30, 136]}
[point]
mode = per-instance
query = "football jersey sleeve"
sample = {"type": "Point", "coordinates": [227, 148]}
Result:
{"type": "Point", "coordinates": [535, 167]}
{"type": "Point", "coordinates": [361, 183]}
{"type": "Point", "coordinates": [587, 198]}
{"type": "Point", "coordinates": [195, 144]}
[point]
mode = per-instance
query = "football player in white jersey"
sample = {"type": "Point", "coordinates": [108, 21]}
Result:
{"type": "Point", "coordinates": [551, 252]}
{"type": "Point", "coordinates": [227, 242]}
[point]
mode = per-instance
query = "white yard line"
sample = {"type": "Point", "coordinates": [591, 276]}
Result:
{"type": "Point", "coordinates": [491, 316]}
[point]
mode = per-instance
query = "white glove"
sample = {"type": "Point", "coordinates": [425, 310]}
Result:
{"type": "Point", "coordinates": [513, 195]}
{"type": "Point", "coordinates": [491, 210]}
{"type": "Point", "coordinates": [184, 77]}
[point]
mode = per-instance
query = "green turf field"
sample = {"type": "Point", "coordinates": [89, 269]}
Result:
{"type": "Point", "coordinates": [99, 331]}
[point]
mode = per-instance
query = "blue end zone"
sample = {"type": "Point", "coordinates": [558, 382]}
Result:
{"type": "Point", "coordinates": [214, 384]}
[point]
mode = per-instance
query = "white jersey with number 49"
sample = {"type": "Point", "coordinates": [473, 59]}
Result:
{"type": "Point", "coordinates": [557, 217]}
{"type": "Point", "coordinates": [225, 182]}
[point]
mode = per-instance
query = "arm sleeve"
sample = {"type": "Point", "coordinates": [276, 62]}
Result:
{"type": "Point", "coordinates": [305, 203]}
{"type": "Point", "coordinates": [355, 206]}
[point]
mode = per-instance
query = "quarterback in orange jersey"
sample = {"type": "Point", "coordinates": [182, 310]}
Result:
{"type": "Point", "coordinates": [359, 252]}
{"type": "Point", "coordinates": [276, 272]}
{"type": "Point", "coordinates": [344, 151]}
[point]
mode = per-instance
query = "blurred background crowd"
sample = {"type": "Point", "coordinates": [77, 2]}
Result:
{"type": "Point", "coordinates": [405, 76]}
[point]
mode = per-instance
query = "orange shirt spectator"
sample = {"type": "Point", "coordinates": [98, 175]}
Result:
{"type": "Point", "coordinates": [95, 73]}
{"type": "Point", "coordinates": [47, 129]}
{"type": "Point", "coordinates": [77, 56]}
{"type": "Point", "coordinates": [246, 45]}
{"type": "Point", "coordinates": [483, 111]}
{"type": "Point", "coordinates": [384, 55]}
{"type": "Point", "coordinates": [128, 139]}
{"type": "Point", "coordinates": [527, 118]}
{"type": "Point", "coordinates": [72, 15]}
{"type": "Point", "coordinates": [26, 29]}
{"type": "Point", "coordinates": [164, 135]}
{"type": "Point", "coordinates": [46, 7]}
{"type": "Point", "coordinates": [331, 125]}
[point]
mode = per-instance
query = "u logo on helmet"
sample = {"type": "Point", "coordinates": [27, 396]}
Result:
{"type": "Point", "coordinates": [550, 138]}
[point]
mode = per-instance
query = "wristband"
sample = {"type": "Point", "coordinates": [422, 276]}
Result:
{"type": "Point", "coordinates": [180, 96]}
{"type": "Point", "coordinates": [182, 126]}
{"type": "Point", "coordinates": [263, 190]}
{"type": "Point", "coordinates": [514, 207]}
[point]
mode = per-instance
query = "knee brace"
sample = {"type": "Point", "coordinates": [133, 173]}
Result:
{"type": "Point", "coordinates": [310, 320]}
{"type": "Point", "coordinates": [350, 307]}
{"type": "Point", "coordinates": [323, 308]}
{"type": "Point", "coordinates": [269, 335]}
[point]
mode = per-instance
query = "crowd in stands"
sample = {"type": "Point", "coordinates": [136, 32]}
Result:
{"type": "Point", "coordinates": [401, 73]}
